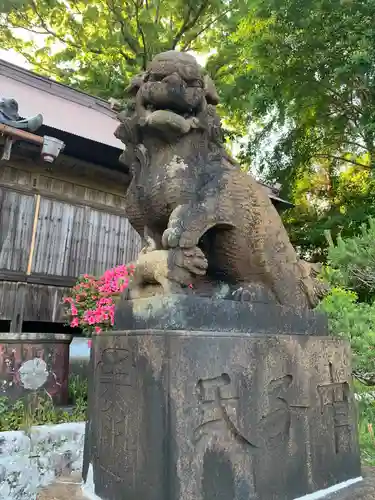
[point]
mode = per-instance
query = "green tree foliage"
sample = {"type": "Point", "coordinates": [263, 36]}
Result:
{"type": "Point", "coordinates": [351, 303]}
{"type": "Point", "coordinates": [351, 263]}
{"type": "Point", "coordinates": [8, 5]}
{"type": "Point", "coordinates": [365, 396]}
{"type": "Point", "coordinates": [327, 199]}
{"type": "Point", "coordinates": [300, 75]}
{"type": "Point", "coordinates": [98, 45]}
{"type": "Point", "coordinates": [299, 78]}
{"type": "Point", "coordinates": [296, 77]}
{"type": "Point", "coordinates": [354, 321]}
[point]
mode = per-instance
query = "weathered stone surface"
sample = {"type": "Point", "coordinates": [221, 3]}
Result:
{"type": "Point", "coordinates": [34, 459]}
{"type": "Point", "coordinates": [182, 415]}
{"type": "Point", "coordinates": [194, 313]}
{"type": "Point", "coordinates": [187, 194]}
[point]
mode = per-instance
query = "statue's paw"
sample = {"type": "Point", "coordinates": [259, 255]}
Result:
{"type": "Point", "coordinates": [254, 292]}
{"type": "Point", "coordinates": [171, 238]}
{"type": "Point", "coordinates": [242, 295]}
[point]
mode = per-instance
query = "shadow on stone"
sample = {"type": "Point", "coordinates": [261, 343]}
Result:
{"type": "Point", "coordinates": [218, 477]}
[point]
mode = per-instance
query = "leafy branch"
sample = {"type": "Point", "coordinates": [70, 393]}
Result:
{"type": "Point", "coordinates": [188, 22]}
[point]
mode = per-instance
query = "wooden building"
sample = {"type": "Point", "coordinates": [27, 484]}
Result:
{"type": "Point", "coordinates": [58, 220]}
{"type": "Point", "coordinates": [64, 219]}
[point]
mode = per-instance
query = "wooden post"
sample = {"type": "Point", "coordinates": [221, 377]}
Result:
{"type": "Point", "coordinates": [33, 237]}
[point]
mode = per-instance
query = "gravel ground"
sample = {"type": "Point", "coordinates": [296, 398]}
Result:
{"type": "Point", "coordinates": [65, 488]}
{"type": "Point", "coordinates": [361, 491]}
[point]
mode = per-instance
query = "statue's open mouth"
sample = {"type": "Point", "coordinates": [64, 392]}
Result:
{"type": "Point", "coordinates": [151, 108]}
{"type": "Point", "coordinates": [169, 109]}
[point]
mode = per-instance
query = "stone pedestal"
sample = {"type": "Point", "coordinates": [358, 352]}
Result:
{"type": "Point", "coordinates": [258, 411]}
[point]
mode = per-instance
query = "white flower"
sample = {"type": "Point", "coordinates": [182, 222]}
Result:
{"type": "Point", "coordinates": [33, 373]}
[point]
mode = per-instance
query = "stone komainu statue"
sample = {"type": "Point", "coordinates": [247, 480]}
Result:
{"type": "Point", "coordinates": [204, 221]}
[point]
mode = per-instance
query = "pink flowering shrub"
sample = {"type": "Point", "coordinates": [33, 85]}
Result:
{"type": "Point", "coordinates": [91, 305]}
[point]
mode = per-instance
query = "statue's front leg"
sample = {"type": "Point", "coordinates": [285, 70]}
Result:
{"type": "Point", "coordinates": [188, 223]}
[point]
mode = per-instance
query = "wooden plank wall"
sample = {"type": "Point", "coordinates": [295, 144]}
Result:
{"type": "Point", "coordinates": [16, 224]}
{"type": "Point", "coordinates": [67, 181]}
{"type": "Point", "coordinates": [43, 303]}
{"type": "Point", "coordinates": [73, 240]}
{"type": "Point", "coordinates": [51, 231]}
{"type": "Point", "coordinates": [8, 296]}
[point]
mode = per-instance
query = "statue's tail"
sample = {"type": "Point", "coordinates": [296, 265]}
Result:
{"type": "Point", "coordinates": [314, 288]}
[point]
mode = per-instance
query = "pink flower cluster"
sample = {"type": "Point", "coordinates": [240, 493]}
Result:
{"type": "Point", "coordinates": [115, 280]}
{"type": "Point", "coordinates": [91, 305]}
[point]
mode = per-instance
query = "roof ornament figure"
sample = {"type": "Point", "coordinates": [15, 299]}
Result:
{"type": "Point", "coordinates": [14, 127]}
{"type": "Point", "coordinates": [9, 116]}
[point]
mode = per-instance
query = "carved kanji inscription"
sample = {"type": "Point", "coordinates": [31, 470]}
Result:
{"type": "Point", "coordinates": [116, 378]}
{"type": "Point", "coordinates": [335, 395]}
{"type": "Point", "coordinates": [115, 373]}
{"type": "Point", "coordinates": [274, 427]}
{"type": "Point", "coordinates": [218, 399]}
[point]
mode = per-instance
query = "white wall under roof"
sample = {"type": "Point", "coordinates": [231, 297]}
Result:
{"type": "Point", "coordinates": [60, 113]}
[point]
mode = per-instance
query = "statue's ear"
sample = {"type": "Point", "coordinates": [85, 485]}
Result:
{"type": "Point", "coordinates": [135, 83]}
{"type": "Point", "coordinates": [212, 97]}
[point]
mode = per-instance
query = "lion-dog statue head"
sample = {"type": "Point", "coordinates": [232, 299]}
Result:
{"type": "Point", "coordinates": [171, 99]}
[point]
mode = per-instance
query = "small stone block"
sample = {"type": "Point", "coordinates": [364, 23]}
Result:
{"type": "Point", "coordinates": [194, 313]}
